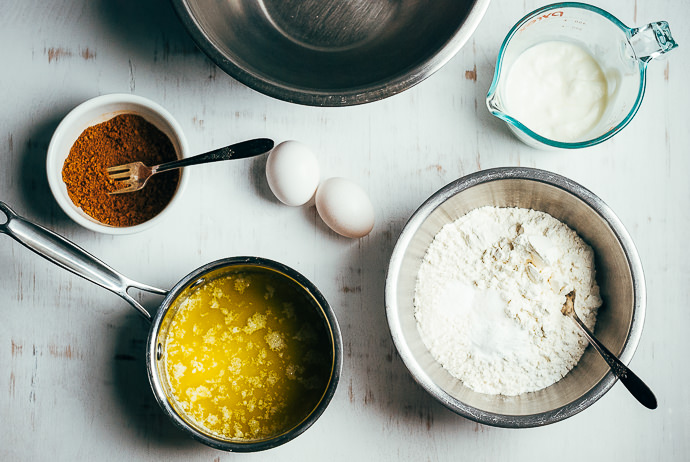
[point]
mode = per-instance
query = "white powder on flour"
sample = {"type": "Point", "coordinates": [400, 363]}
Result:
{"type": "Point", "coordinates": [489, 295]}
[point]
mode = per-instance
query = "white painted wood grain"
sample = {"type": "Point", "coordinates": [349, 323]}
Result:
{"type": "Point", "coordinates": [73, 383]}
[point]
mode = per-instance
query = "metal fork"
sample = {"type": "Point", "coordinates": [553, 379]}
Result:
{"type": "Point", "coordinates": [135, 175]}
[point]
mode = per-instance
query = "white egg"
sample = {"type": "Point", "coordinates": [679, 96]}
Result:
{"type": "Point", "coordinates": [292, 172]}
{"type": "Point", "coordinates": [345, 207]}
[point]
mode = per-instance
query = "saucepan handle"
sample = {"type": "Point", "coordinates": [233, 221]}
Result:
{"type": "Point", "coordinates": [71, 257]}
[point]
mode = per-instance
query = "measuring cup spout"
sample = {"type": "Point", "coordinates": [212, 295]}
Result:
{"type": "Point", "coordinates": [493, 103]}
{"type": "Point", "coordinates": [651, 41]}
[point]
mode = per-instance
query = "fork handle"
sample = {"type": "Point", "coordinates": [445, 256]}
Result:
{"type": "Point", "coordinates": [241, 150]}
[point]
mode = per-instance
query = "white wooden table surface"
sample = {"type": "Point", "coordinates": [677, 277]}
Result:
{"type": "Point", "coordinates": [73, 383]}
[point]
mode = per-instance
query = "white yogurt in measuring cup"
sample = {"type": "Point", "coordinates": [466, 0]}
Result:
{"type": "Point", "coordinates": [557, 90]}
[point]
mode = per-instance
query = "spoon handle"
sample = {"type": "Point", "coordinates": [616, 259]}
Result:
{"type": "Point", "coordinates": [633, 383]}
{"type": "Point", "coordinates": [241, 150]}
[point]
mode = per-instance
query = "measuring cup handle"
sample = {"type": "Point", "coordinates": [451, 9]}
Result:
{"type": "Point", "coordinates": [71, 257]}
{"type": "Point", "coordinates": [651, 41]}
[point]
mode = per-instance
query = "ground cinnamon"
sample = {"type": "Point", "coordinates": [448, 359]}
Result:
{"type": "Point", "coordinates": [120, 140]}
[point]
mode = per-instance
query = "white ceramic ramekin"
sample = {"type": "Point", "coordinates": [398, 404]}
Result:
{"type": "Point", "coordinates": [95, 111]}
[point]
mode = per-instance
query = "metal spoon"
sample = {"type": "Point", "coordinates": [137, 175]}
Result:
{"type": "Point", "coordinates": [632, 382]}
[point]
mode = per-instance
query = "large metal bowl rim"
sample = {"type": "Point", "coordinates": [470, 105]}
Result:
{"type": "Point", "coordinates": [530, 174]}
{"type": "Point", "coordinates": [350, 97]}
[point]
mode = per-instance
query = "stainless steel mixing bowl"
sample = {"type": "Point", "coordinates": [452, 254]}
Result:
{"type": "Point", "coordinates": [619, 275]}
{"type": "Point", "coordinates": [330, 52]}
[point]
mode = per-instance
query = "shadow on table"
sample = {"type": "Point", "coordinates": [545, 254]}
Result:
{"type": "Point", "coordinates": [379, 381]}
{"type": "Point", "coordinates": [31, 175]}
{"type": "Point", "coordinates": [147, 29]}
{"type": "Point", "coordinates": [146, 421]}
{"type": "Point", "coordinates": [259, 182]}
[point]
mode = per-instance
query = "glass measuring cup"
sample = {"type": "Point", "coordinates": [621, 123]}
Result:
{"type": "Point", "coordinates": [622, 53]}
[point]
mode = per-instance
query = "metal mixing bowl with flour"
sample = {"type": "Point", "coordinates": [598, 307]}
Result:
{"type": "Point", "coordinates": [619, 275]}
{"type": "Point", "coordinates": [330, 52]}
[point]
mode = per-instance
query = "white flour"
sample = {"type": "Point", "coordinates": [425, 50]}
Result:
{"type": "Point", "coordinates": [489, 296]}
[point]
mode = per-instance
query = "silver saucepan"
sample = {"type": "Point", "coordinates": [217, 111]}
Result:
{"type": "Point", "coordinates": [73, 258]}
